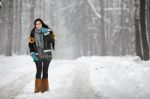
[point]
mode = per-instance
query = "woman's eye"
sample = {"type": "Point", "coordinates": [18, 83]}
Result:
{"type": "Point", "coordinates": [37, 24]}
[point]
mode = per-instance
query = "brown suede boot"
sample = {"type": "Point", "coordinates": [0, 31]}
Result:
{"type": "Point", "coordinates": [38, 85]}
{"type": "Point", "coordinates": [45, 85]}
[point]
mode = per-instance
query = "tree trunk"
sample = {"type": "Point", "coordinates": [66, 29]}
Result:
{"type": "Point", "coordinates": [138, 49]}
{"type": "Point", "coordinates": [148, 19]}
{"type": "Point", "coordinates": [1, 26]}
{"type": "Point", "coordinates": [143, 31]}
{"type": "Point", "coordinates": [19, 10]}
{"type": "Point", "coordinates": [10, 29]}
{"type": "Point", "coordinates": [122, 37]}
{"type": "Point", "coordinates": [103, 44]}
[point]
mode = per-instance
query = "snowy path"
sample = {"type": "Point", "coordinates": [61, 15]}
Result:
{"type": "Point", "coordinates": [68, 80]}
{"type": "Point", "coordinates": [84, 78]}
{"type": "Point", "coordinates": [81, 87]}
{"type": "Point", "coordinates": [60, 81]}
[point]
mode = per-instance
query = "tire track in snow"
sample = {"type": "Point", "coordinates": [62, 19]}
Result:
{"type": "Point", "coordinates": [81, 86]}
{"type": "Point", "coordinates": [14, 88]}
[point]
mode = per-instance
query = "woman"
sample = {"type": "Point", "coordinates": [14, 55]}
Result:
{"type": "Point", "coordinates": [41, 42]}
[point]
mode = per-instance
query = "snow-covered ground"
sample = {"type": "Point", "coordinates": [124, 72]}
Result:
{"type": "Point", "coordinates": [84, 78]}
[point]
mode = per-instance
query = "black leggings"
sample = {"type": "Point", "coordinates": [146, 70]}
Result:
{"type": "Point", "coordinates": [42, 67]}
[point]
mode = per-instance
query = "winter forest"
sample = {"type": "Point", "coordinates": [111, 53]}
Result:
{"type": "Point", "coordinates": [102, 49]}
{"type": "Point", "coordinates": [82, 27]}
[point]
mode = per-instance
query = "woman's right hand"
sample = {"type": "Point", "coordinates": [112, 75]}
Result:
{"type": "Point", "coordinates": [35, 58]}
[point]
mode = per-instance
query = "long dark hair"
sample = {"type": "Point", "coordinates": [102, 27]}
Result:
{"type": "Point", "coordinates": [43, 24]}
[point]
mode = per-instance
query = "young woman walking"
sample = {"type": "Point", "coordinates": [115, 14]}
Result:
{"type": "Point", "coordinates": [41, 44]}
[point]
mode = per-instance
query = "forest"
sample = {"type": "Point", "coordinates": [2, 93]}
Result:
{"type": "Point", "coordinates": [82, 27]}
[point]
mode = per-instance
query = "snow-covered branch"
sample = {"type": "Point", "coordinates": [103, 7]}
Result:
{"type": "Point", "coordinates": [94, 9]}
{"type": "Point", "coordinates": [0, 4]}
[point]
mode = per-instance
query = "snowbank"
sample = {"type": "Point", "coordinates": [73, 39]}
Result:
{"type": "Point", "coordinates": [15, 72]}
{"type": "Point", "coordinates": [119, 77]}
{"type": "Point", "coordinates": [84, 78]}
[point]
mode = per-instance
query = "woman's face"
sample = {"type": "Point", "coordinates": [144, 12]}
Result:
{"type": "Point", "coordinates": [38, 25]}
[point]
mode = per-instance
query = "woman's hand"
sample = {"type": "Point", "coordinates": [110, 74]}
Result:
{"type": "Point", "coordinates": [35, 58]}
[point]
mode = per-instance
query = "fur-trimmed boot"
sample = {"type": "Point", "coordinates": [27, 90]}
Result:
{"type": "Point", "coordinates": [45, 85]}
{"type": "Point", "coordinates": [38, 85]}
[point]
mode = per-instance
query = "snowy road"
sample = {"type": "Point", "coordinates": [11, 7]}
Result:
{"type": "Point", "coordinates": [83, 78]}
{"type": "Point", "coordinates": [68, 80]}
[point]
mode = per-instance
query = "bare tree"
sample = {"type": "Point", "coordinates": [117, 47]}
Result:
{"type": "Point", "coordinates": [145, 46]}
{"type": "Point", "coordinates": [137, 30]}
{"type": "Point", "coordinates": [148, 19]}
{"type": "Point", "coordinates": [103, 41]}
{"type": "Point", "coordinates": [0, 3]}
{"type": "Point", "coordinates": [10, 29]}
